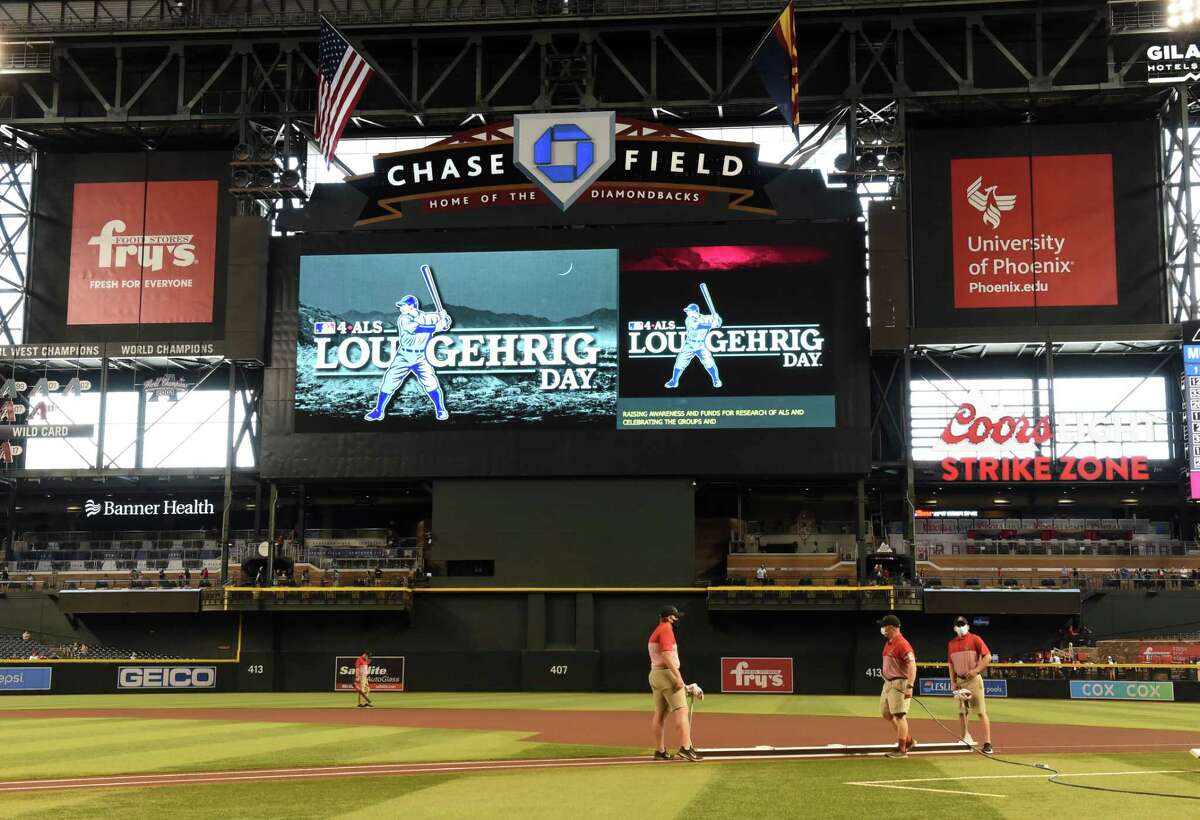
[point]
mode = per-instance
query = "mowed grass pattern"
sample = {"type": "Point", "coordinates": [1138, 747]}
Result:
{"type": "Point", "coordinates": [818, 789]}
{"type": "Point", "coordinates": [73, 746]}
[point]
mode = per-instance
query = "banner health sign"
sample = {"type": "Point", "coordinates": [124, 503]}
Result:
{"type": "Point", "coordinates": [702, 337]}
{"type": "Point", "coordinates": [25, 678]}
{"type": "Point", "coordinates": [1122, 690]}
{"type": "Point", "coordinates": [992, 687]}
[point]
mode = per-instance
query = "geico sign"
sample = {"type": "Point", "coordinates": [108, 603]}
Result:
{"type": "Point", "coordinates": [167, 677]}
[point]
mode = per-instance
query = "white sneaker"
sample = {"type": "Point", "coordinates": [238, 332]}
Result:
{"type": "Point", "coordinates": [967, 739]}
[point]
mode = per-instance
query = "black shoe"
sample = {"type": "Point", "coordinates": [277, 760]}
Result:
{"type": "Point", "coordinates": [661, 756]}
{"type": "Point", "coordinates": [370, 705]}
{"type": "Point", "coordinates": [688, 754]}
{"type": "Point", "coordinates": [987, 749]}
{"type": "Point", "coordinates": [362, 706]}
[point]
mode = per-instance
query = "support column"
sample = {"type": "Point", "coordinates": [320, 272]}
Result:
{"type": "Point", "coordinates": [10, 540]}
{"type": "Point", "coordinates": [1185, 179]}
{"type": "Point", "coordinates": [230, 457]}
{"type": "Point", "coordinates": [860, 489]}
{"type": "Point", "coordinates": [103, 413]}
{"type": "Point", "coordinates": [906, 424]}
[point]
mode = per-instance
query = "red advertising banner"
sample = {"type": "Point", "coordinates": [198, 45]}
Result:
{"type": "Point", "coordinates": [1033, 231]}
{"type": "Point", "coordinates": [772, 675]}
{"type": "Point", "coordinates": [142, 253]}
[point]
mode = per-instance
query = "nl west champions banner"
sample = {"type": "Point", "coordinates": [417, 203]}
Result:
{"type": "Point", "coordinates": [443, 340]}
{"type": "Point", "coordinates": [708, 337]}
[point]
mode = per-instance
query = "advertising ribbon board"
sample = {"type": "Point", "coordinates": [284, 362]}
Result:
{"type": "Point", "coordinates": [25, 678]}
{"type": "Point", "coordinates": [1122, 690]}
{"type": "Point", "coordinates": [940, 687]}
{"type": "Point", "coordinates": [385, 673]}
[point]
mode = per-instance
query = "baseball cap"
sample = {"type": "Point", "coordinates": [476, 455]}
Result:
{"type": "Point", "coordinates": [960, 621]}
{"type": "Point", "coordinates": [669, 610]}
{"type": "Point", "coordinates": [888, 620]}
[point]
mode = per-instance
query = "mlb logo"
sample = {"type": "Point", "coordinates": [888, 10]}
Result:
{"type": "Point", "coordinates": [324, 328]}
{"type": "Point", "coordinates": [635, 325]}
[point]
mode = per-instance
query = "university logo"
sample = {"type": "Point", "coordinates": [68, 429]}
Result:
{"type": "Point", "coordinates": [988, 202]}
{"type": "Point", "coordinates": [563, 154]}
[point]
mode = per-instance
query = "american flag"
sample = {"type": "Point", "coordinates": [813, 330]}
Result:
{"type": "Point", "coordinates": [343, 74]}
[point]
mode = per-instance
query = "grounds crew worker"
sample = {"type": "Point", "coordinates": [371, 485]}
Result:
{"type": "Point", "coordinates": [362, 680]}
{"type": "Point", "coordinates": [899, 674]}
{"type": "Point", "coordinates": [967, 656]}
{"type": "Point", "coordinates": [666, 684]}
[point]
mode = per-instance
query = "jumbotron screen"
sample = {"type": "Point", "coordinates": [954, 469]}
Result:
{"type": "Point", "coordinates": [704, 337]}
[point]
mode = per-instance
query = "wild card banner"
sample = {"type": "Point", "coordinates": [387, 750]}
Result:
{"type": "Point", "coordinates": [418, 341]}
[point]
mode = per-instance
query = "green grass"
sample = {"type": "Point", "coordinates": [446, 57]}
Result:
{"type": "Point", "coordinates": [819, 788]}
{"type": "Point", "coordinates": [1130, 715]}
{"type": "Point", "coordinates": [71, 746]}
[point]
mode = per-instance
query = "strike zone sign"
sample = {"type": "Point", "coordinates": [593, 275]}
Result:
{"type": "Point", "coordinates": [969, 427]}
{"type": "Point", "coordinates": [1033, 231]}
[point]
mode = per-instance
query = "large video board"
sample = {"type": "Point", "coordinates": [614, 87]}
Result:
{"type": "Point", "coordinates": [711, 337]}
{"type": "Point", "coordinates": [598, 353]}
{"type": "Point", "coordinates": [411, 341]}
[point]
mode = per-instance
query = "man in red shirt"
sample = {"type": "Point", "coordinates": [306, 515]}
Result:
{"type": "Point", "coordinates": [967, 656]}
{"type": "Point", "coordinates": [362, 682]}
{"type": "Point", "coordinates": [666, 684]}
{"type": "Point", "coordinates": [899, 674]}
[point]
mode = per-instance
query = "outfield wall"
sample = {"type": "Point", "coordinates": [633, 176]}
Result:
{"type": "Point", "coordinates": [538, 641]}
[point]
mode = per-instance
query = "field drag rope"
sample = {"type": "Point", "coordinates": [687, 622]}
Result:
{"type": "Point", "coordinates": [1055, 774]}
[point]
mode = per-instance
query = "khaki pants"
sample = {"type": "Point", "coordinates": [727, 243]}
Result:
{"type": "Point", "coordinates": [895, 698]}
{"type": "Point", "coordinates": [977, 704]}
{"type": "Point", "coordinates": [662, 685]}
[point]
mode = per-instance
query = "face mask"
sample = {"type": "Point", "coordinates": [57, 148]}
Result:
{"type": "Point", "coordinates": [883, 631]}
{"type": "Point", "coordinates": [961, 630]}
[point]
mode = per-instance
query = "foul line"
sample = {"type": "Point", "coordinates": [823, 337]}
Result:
{"type": "Point", "coordinates": [896, 784]}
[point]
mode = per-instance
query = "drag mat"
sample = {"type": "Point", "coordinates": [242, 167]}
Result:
{"type": "Point", "coordinates": [632, 729]}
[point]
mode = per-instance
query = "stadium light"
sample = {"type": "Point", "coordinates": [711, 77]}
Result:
{"type": "Point", "coordinates": [1182, 12]}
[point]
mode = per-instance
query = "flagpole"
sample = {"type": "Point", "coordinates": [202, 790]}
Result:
{"type": "Point", "coordinates": [749, 61]}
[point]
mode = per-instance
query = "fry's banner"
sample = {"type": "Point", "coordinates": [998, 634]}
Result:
{"type": "Point", "coordinates": [1033, 231]}
{"type": "Point", "coordinates": [142, 252]}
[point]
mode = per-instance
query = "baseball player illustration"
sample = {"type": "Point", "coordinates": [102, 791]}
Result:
{"type": "Point", "coordinates": [416, 328]}
{"type": "Point", "coordinates": [698, 326]}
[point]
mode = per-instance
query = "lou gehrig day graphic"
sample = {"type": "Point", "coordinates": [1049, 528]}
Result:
{"type": "Point", "coordinates": [727, 336]}
{"type": "Point", "coordinates": [1033, 231]}
{"type": "Point", "coordinates": [142, 252]}
{"type": "Point", "coordinates": [437, 340]}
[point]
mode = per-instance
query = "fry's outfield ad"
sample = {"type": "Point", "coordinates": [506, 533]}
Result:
{"type": "Point", "coordinates": [708, 337]}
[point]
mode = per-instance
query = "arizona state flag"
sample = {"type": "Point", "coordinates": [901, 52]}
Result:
{"type": "Point", "coordinates": [777, 66]}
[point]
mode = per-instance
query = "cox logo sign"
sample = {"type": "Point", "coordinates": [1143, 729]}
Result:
{"type": "Point", "coordinates": [166, 677]}
{"type": "Point", "coordinates": [1122, 690]}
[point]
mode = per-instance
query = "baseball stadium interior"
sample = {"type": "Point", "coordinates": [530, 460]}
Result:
{"type": "Point", "coordinates": [473, 334]}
